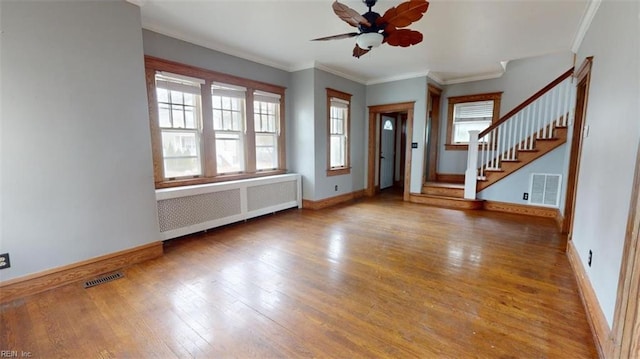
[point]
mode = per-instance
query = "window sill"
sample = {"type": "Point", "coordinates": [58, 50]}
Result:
{"type": "Point", "coordinates": [339, 171]}
{"type": "Point", "coordinates": [221, 178]}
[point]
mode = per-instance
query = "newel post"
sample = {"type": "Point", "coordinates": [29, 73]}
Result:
{"type": "Point", "coordinates": [471, 174]}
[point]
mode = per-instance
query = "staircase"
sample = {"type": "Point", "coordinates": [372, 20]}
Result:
{"type": "Point", "coordinates": [528, 132]}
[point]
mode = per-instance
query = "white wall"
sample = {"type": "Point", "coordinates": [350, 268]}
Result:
{"type": "Point", "coordinates": [354, 181]}
{"type": "Point", "coordinates": [76, 166]}
{"type": "Point", "coordinates": [609, 153]}
{"type": "Point", "coordinates": [522, 79]}
{"type": "Point", "coordinates": [414, 89]}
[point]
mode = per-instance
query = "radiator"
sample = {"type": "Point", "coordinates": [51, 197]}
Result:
{"type": "Point", "coordinates": [185, 210]}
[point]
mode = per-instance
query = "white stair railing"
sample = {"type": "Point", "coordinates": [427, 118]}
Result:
{"type": "Point", "coordinates": [536, 118]}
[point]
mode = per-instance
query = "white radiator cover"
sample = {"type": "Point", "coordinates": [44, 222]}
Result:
{"type": "Point", "coordinates": [185, 210]}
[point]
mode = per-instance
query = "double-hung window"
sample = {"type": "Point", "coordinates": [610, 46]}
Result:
{"type": "Point", "coordinates": [210, 127]}
{"type": "Point", "coordinates": [179, 117]}
{"type": "Point", "coordinates": [228, 107]}
{"type": "Point", "coordinates": [266, 115]}
{"type": "Point", "coordinates": [471, 116]}
{"type": "Point", "coordinates": [470, 113]}
{"type": "Point", "coordinates": [338, 132]}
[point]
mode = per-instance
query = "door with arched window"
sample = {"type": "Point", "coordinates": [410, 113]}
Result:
{"type": "Point", "coordinates": [387, 151]}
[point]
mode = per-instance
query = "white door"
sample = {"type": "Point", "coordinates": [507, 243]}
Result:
{"type": "Point", "coordinates": [387, 153]}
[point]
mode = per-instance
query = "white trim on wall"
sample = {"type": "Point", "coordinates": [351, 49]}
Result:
{"type": "Point", "coordinates": [585, 22]}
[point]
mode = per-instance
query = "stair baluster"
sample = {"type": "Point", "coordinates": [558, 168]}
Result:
{"type": "Point", "coordinates": [536, 118]}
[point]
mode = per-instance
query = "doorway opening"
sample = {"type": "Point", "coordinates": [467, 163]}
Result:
{"type": "Point", "coordinates": [392, 135]}
{"type": "Point", "coordinates": [404, 111]}
{"type": "Point", "coordinates": [432, 134]}
{"type": "Point", "coordinates": [582, 93]}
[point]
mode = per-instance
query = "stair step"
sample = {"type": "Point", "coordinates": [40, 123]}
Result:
{"type": "Point", "coordinates": [443, 189]}
{"type": "Point", "coordinates": [511, 161]}
{"type": "Point", "coordinates": [547, 139]}
{"type": "Point", "coordinates": [528, 150]}
{"type": "Point", "coordinates": [447, 202]}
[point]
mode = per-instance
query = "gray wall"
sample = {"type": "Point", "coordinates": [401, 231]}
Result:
{"type": "Point", "coordinates": [301, 130]}
{"type": "Point", "coordinates": [608, 158]}
{"type": "Point", "coordinates": [522, 79]}
{"type": "Point", "coordinates": [76, 166]}
{"type": "Point", "coordinates": [324, 185]}
{"type": "Point", "coordinates": [414, 89]}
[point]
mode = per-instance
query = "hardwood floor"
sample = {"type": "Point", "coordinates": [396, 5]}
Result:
{"type": "Point", "coordinates": [375, 278]}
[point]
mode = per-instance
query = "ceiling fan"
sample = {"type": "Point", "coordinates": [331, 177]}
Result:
{"type": "Point", "coordinates": [373, 29]}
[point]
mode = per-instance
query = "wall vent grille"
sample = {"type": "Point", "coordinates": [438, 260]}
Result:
{"type": "Point", "coordinates": [545, 189]}
{"type": "Point", "coordinates": [103, 279]}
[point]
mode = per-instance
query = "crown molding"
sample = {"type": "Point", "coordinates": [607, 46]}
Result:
{"type": "Point", "coordinates": [406, 76]}
{"type": "Point", "coordinates": [138, 3]}
{"type": "Point", "coordinates": [322, 67]}
{"type": "Point", "coordinates": [436, 78]}
{"type": "Point", "coordinates": [585, 23]}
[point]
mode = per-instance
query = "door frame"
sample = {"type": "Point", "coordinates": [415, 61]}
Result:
{"type": "Point", "coordinates": [626, 317]}
{"type": "Point", "coordinates": [431, 153]}
{"type": "Point", "coordinates": [374, 112]}
{"type": "Point", "coordinates": [583, 77]}
{"type": "Point", "coordinates": [395, 128]}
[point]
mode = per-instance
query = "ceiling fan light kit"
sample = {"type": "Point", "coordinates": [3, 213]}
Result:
{"type": "Point", "coordinates": [369, 40]}
{"type": "Point", "coordinates": [374, 30]}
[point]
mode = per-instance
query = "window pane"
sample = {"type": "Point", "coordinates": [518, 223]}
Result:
{"type": "Point", "coordinates": [189, 118]}
{"type": "Point", "coordinates": [337, 151]}
{"type": "Point", "coordinates": [217, 120]}
{"type": "Point", "coordinates": [189, 99]}
{"type": "Point", "coordinates": [181, 167]}
{"type": "Point", "coordinates": [176, 97]}
{"type": "Point", "coordinates": [237, 121]}
{"type": "Point", "coordinates": [266, 152]}
{"type": "Point", "coordinates": [461, 129]}
{"type": "Point", "coordinates": [216, 101]}
{"type": "Point", "coordinates": [181, 154]}
{"type": "Point", "coordinates": [163, 115]}
{"type": "Point", "coordinates": [226, 103]}
{"type": "Point", "coordinates": [178, 116]}
{"type": "Point", "coordinates": [265, 116]}
{"type": "Point", "coordinates": [226, 120]}
{"type": "Point", "coordinates": [162, 94]}
{"type": "Point", "coordinates": [229, 154]}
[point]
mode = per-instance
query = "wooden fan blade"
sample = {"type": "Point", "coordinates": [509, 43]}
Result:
{"type": "Point", "coordinates": [349, 15]}
{"type": "Point", "coordinates": [403, 37]}
{"type": "Point", "coordinates": [404, 14]}
{"type": "Point", "coordinates": [358, 51]}
{"type": "Point", "coordinates": [337, 37]}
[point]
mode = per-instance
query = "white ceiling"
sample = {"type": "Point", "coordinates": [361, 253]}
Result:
{"type": "Point", "coordinates": [463, 39]}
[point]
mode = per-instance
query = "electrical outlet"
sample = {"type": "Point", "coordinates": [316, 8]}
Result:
{"type": "Point", "coordinates": [336, 187]}
{"type": "Point", "coordinates": [525, 196]}
{"type": "Point", "coordinates": [4, 261]}
{"type": "Point", "coordinates": [590, 257]}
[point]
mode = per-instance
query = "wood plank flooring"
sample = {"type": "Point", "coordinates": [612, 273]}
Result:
{"type": "Point", "coordinates": [374, 278]}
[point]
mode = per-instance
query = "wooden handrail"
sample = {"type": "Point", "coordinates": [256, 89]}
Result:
{"type": "Point", "coordinates": [527, 102]}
